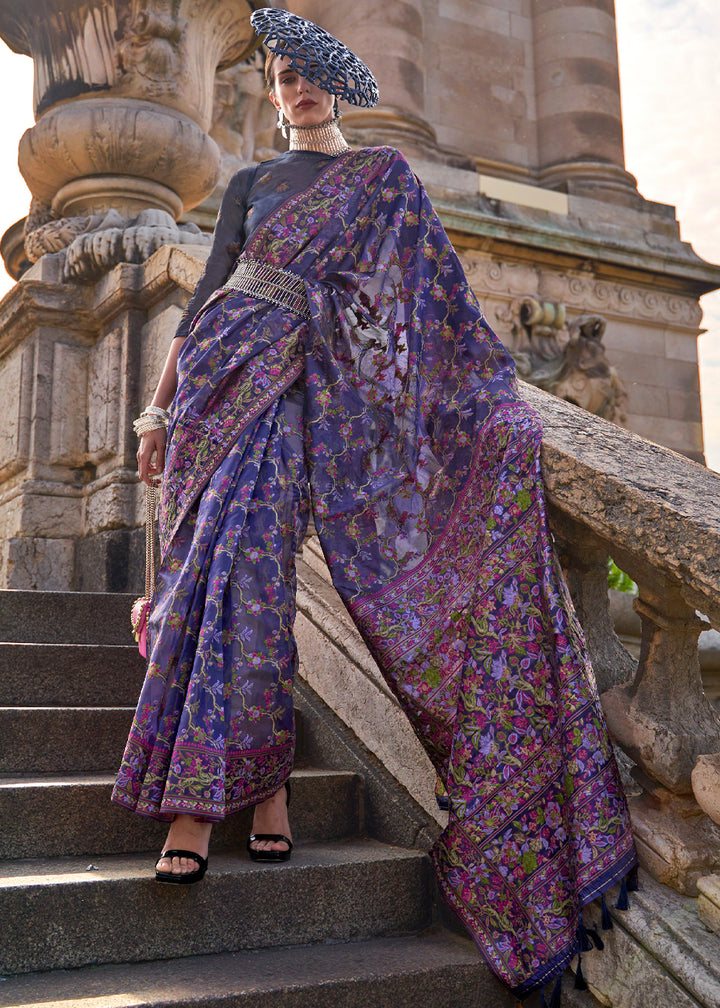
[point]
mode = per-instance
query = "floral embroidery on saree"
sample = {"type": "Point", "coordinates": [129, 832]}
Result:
{"type": "Point", "coordinates": [423, 469]}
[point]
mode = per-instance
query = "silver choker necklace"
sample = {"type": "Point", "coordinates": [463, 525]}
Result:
{"type": "Point", "coordinates": [326, 138]}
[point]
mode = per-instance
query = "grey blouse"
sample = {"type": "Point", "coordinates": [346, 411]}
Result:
{"type": "Point", "coordinates": [251, 195]}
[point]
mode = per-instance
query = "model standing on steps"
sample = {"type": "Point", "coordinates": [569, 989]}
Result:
{"type": "Point", "coordinates": [334, 357]}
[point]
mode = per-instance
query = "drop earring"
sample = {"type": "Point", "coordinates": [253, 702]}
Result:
{"type": "Point", "coordinates": [281, 124]}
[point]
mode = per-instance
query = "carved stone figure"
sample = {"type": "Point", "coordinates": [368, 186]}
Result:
{"type": "Point", "coordinates": [569, 361]}
{"type": "Point", "coordinates": [152, 52]}
{"type": "Point", "coordinates": [243, 124]}
{"type": "Point", "coordinates": [587, 377]}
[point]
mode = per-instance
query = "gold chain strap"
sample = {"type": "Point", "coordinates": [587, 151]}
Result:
{"type": "Point", "coordinates": [151, 502]}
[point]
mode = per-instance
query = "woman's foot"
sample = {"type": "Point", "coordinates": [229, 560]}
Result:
{"type": "Point", "coordinates": [271, 816]}
{"type": "Point", "coordinates": [185, 834]}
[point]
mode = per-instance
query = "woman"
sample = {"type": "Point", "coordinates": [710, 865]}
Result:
{"type": "Point", "coordinates": [338, 358]}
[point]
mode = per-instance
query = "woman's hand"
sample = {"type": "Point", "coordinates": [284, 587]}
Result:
{"type": "Point", "coordinates": [151, 455]}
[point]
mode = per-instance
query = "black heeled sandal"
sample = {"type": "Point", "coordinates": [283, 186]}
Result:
{"type": "Point", "coordinates": [189, 877]}
{"type": "Point", "coordinates": [271, 855]}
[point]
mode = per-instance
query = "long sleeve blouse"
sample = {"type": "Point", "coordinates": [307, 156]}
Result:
{"type": "Point", "coordinates": [251, 194]}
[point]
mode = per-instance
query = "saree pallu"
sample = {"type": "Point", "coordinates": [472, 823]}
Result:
{"type": "Point", "coordinates": [423, 470]}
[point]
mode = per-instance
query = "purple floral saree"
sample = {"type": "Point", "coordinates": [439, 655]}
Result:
{"type": "Point", "coordinates": [393, 412]}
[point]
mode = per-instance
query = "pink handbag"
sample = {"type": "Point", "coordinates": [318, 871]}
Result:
{"type": "Point", "coordinates": [140, 612]}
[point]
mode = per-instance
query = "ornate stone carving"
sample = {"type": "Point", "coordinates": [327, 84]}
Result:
{"type": "Point", "coordinates": [243, 119]}
{"type": "Point", "coordinates": [152, 55]}
{"type": "Point", "coordinates": [124, 92]}
{"type": "Point", "coordinates": [92, 245]}
{"type": "Point", "coordinates": [602, 297]}
{"type": "Point", "coordinates": [569, 361]}
{"type": "Point", "coordinates": [511, 278]}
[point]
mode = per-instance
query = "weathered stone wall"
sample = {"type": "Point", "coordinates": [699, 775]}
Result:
{"type": "Point", "coordinates": [625, 264]}
{"type": "Point", "coordinates": [77, 362]}
{"type": "Point", "coordinates": [480, 80]}
{"type": "Point", "coordinates": [658, 363]}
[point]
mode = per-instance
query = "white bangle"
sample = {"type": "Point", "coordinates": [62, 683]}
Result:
{"type": "Point", "coordinates": [156, 411]}
{"type": "Point", "coordinates": [146, 423]}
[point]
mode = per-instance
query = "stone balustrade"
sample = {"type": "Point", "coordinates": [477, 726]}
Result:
{"type": "Point", "coordinates": [658, 515]}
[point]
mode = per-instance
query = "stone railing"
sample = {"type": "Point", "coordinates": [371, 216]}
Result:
{"type": "Point", "coordinates": [658, 516]}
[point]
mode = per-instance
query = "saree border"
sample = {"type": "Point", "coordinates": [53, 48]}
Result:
{"type": "Point", "coordinates": [249, 250]}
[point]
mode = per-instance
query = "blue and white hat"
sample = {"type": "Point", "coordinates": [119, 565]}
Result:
{"type": "Point", "coordinates": [316, 55]}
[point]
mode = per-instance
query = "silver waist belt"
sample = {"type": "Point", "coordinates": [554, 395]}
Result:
{"type": "Point", "coordinates": [270, 283]}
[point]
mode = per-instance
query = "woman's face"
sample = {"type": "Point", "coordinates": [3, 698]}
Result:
{"type": "Point", "coordinates": [302, 103]}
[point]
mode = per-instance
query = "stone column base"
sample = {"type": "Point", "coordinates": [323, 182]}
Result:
{"type": "Point", "coordinates": [112, 561]}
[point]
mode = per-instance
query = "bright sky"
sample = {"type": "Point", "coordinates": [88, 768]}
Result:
{"type": "Point", "coordinates": [671, 107]}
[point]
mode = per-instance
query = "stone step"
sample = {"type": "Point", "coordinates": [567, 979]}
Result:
{"type": "Point", "coordinates": [432, 970]}
{"type": "Point", "coordinates": [72, 740]}
{"type": "Point", "coordinates": [39, 740]}
{"type": "Point", "coordinates": [56, 914]}
{"type": "Point", "coordinates": [44, 817]}
{"type": "Point", "coordinates": [34, 617]}
{"type": "Point", "coordinates": [70, 675]}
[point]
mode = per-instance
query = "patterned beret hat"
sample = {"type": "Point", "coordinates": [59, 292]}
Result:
{"type": "Point", "coordinates": [316, 55]}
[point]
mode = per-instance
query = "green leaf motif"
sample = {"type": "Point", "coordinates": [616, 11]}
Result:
{"type": "Point", "coordinates": [433, 677]}
{"type": "Point", "coordinates": [529, 862]}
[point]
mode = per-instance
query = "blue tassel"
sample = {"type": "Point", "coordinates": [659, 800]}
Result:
{"type": "Point", "coordinates": [596, 939]}
{"type": "Point", "coordinates": [556, 999]}
{"type": "Point", "coordinates": [580, 982]}
{"type": "Point", "coordinates": [584, 943]}
{"type": "Point", "coordinates": [622, 900]}
{"type": "Point", "coordinates": [605, 919]}
{"type": "Point", "coordinates": [632, 880]}
{"type": "Point", "coordinates": [543, 1002]}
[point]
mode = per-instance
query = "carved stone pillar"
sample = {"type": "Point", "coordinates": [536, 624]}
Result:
{"type": "Point", "coordinates": [664, 722]}
{"type": "Point", "coordinates": [123, 103]}
{"type": "Point", "coordinates": [584, 559]}
{"type": "Point", "coordinates": [390, 38]}
{"type": "Point", "coordinates": [579, 121]}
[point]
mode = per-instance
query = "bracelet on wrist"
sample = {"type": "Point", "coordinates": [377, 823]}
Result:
{"type": "Point", "coordinates": [156, 411]}
{"type": "Point", "coordinates": [147, 422]}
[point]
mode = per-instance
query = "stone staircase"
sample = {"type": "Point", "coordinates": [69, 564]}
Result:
{"type": "Point", "coordinates": [351, 920]}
